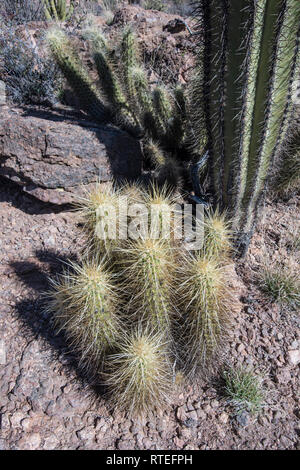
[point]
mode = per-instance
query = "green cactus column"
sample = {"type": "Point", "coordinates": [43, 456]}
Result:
{"type": "Point", "coordinates": [251, 59]}
{"type": "Point", "coordinates": [57, 10]}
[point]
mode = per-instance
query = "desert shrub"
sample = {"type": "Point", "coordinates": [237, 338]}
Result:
{"type": "Point", "coordinates": [22, 11]}
{"type": "Point", "coordinates": [31, 77]}
{"type": "Point", "coordinates": [280, 284]}
{"type": "Point", "coordinates": [243, 390]}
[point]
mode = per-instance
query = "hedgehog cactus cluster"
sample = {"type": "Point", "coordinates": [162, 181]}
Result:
{"type": "Point", "coordinates": [140, 310]}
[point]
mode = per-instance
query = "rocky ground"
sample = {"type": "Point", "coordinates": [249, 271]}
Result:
{"type": "Point", "coordinates": [45, 404]}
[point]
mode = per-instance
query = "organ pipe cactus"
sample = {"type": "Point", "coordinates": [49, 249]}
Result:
{"type": "Point", "coordinates": [245, 73]}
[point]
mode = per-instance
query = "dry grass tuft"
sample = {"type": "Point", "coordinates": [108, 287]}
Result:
{"type": "Point", "coordinates": [243, 390]}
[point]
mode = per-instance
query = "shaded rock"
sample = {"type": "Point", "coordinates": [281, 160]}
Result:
{"type": "Point", "coordinates": [164, 39]}
{"type": "Point", "coordinates": [175, 26]}
{"type": "Point", "coordinates": [53, 156]}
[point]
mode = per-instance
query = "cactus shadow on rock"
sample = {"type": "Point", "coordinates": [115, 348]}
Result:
{"type": "Point", "coordinates": [37, 323]}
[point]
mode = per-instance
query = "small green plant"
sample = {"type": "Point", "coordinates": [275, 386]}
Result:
{"type": "Point", "coordinates": [281, 285]}
{"type": "Point", "coordinates": [243, 390]}
{"type": "Point", "coordinates": [139, 372]}
{"type": "Point", "coordinates": [58, 10]}
{"type": "Point", "coordinates": [154, 5]}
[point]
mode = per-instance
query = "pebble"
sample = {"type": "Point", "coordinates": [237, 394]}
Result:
{"type": "Point", "coordinates": [223, 417]}
{"type": "Point", "coordinates": [29, 442]}
{"type": "Point", "coordinates": [243, 418]}
{"type": "Point", "coordinates": [294, 356]}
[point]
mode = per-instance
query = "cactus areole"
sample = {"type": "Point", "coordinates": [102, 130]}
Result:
{"type": "Point", "coordinates": [250, 63]}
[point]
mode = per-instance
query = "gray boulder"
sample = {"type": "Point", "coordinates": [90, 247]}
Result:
{"type": "Point", "coordinates": [55, 157]}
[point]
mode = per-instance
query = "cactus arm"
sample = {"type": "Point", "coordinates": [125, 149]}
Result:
{"type": "Point", "coordinates": [111, 87]}
{"type": "Point", "coordinates": [144, 98]}
{"type": "Point", "coordinates": [285, 55]}
{"type": "Point", "coordinates": [70, 12]}
{"type": "Point", "coordinates": [62, 10]}
{"type": "Point", "coordinates": [178, 122]}
{"type": "Point", "coordinates": [129, 61]}
{"type": "Point", "coordinates": [53, 10]}
{"type": "Point", "coordinates": [289, 108]}
{"type": "Point", "coordinates": [197, 129]}
{"type": "Point", "coordinates": [78, 79]}
{"type": "Point", "coordinates": [47, 10]}
{"type": "Point", "coordinates": [162, 105]}
{"type": "Point", "coordinates": [259, 87]}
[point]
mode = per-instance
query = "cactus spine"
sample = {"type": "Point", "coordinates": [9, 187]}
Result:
{"type": "Point", "coordinates": [250, 54]}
